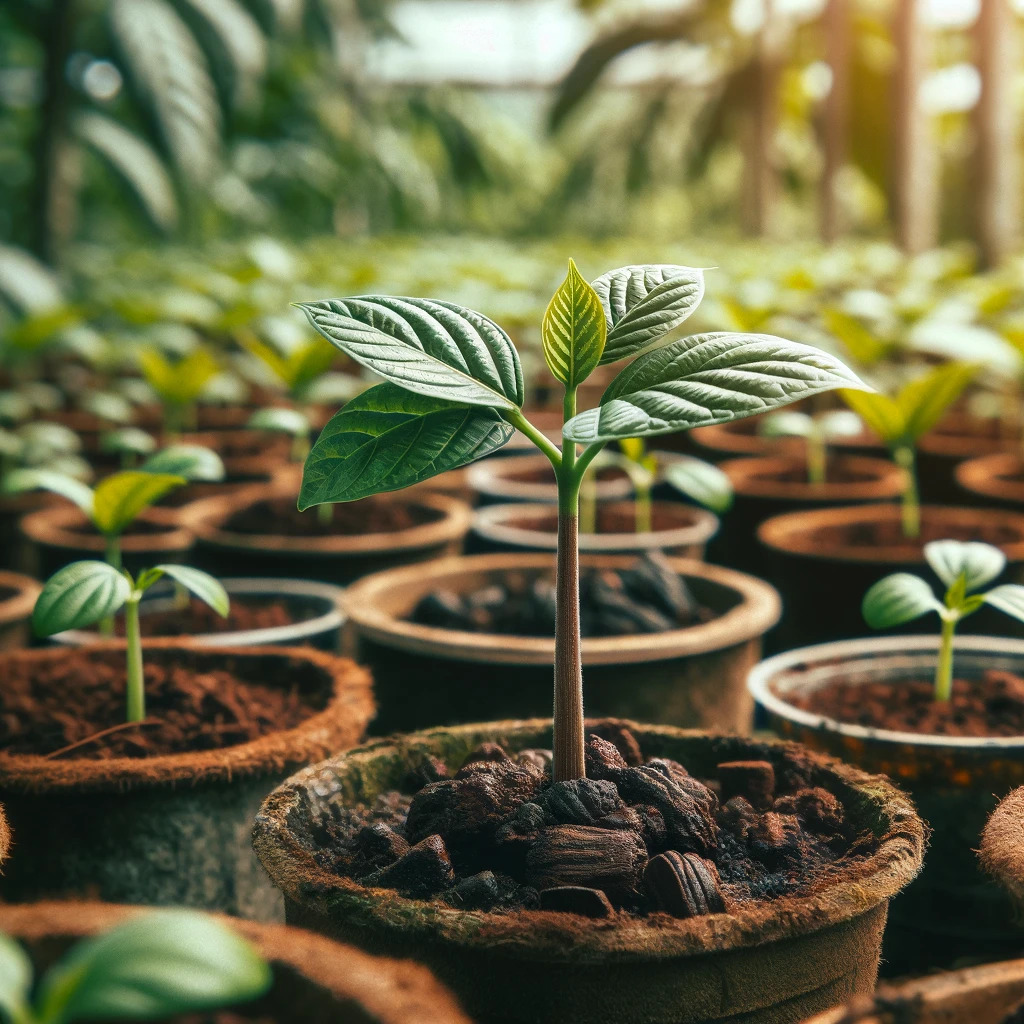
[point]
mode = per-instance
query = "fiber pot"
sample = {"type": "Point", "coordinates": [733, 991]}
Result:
{"type": "Point", "coordinates": [957, 437]}
{"type": "Point", "coordinates": [438, 525]}
{"type": "Point", "coordinates": [678, 529]}
{"type": "Point", "coordinates": [17, 599]}
{"type": "Point", "coordinates": [170, 829]}
{"type": "Point", "coordinates": [504, 478]}
{"type": "Point", "coordinates": [315, 609]}
{"type": "Point", "coordinates": [993, 480]}
{"type": "Point", "coordinates": [1002, 846]}
{"type": "Point", "coordinates": [824, 560]}
{"type": "Point", "coordinates": [425, 675]}
{"type": "Point", "coordinates": [770, 962]}
{"type": "Point", "coordinates": [315, 980]}
{"type": "Point", "coordinates": [956, 782]}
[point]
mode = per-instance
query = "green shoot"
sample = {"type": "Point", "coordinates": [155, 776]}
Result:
{"type": "Point", "coordinates": [178, 384]}
{"type": "Point", "coordinates": [817, 432]}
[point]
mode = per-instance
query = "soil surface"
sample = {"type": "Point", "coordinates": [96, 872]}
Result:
{"type": "Point", "coordinates": [649, 597]}
{"type": "Point", "coordinates": [838, 472]}
{"type": "Point", "coordinates": [991, 706]}
{"type": "Point", "coordinates": [46, 706]}
{"type": "Point", "coordinates": [609, 520]}
{"type": "Point", "coordinates": [637, 835]}
{"type": "Point", "coordinates": [141, 527]}
{"type": "Point", "coordinates": [6, 593]}
{"type": "Point", "coordinates": [545, 475]}
{"type": "Point", "coordinates": [889, 533]}
{"type": "Point", "coordinates": [368, 515]}
{"type": "Point", "coordinates": [198, 617]}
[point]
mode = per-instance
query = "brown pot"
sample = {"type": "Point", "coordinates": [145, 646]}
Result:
{"type": "Point", "coordinates": [170, 829]}
{"type": "Point", "coordinates": [331, 983]}
{"type": "Point", "coordinates": [339, 558]}
{"type": "Point", "coordinates": [993, 479]}
{"type": "Point", "coordinates": [17, 599]}
{"type": "Point", "coordinates": [824, 560]}
{"type": "Point", "coordinates": [1002, 845]}
{"type": "Point", "coordinates": [678, 529]}
{"type": "Point", "coordinates": [957, 437]}
{"type": "Point", "coordinates": [425, 675]}
{"type": "Point", "coordinates": [743, 438]}
{"type": "Point", "coordinates": [15, 552]}
{"type": "Point", "coordinates": [768, 962]}
{"type": "Point", "coordinates": [505, 478]}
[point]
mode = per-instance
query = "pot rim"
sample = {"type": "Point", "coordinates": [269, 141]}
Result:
{"type": "Point", "coordinates": [489, 477]}
{"type": "Point", "coordinates": [729, 438]}
{"type": "Point", "coordinates": [762, 675]}
{"type": "Point", "coordinates": [492, 522]}
{"type": "Point", "coordinates": [20, 604]}
{"type": "Point", "coordinates": [953, 437]}
{"type": "Point", "coordinates": [985, 475]}
{"type": "Point", "coordinates": [759, 609]}
{"type": "Point", "coordinates": [534, 935]}
{"type": "Point", "coordinates": [341, 722]}
{"type": "Point", "coordinates": [52, 526]}
{"type": "Point", "coordinates": [756, 477]}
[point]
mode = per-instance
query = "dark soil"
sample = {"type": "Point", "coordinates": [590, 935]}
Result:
{"type": "Point", "coordinates": [6, 593]}
{"type": "Point", "coordinates": [609, 520]}
{"type": "Point", "coordinates": [636, 835]}
{"type": "Point", "coordinates": [141, 527]}
{"type": "Point", "coordinates": [197, 491]}
{"type": "Point", "coordinates": [46, 706]}
{"type": "Point", "coordinates": [368, 515]}
{"type": "Point", "coordinates": [545, 475]}
{"type": "Point", "coordinates": [839, 472]}
{"type": "Point", "coordinates": [649, 597]}
{"type": "Point", "coordinates": [198, 617]}
{"type": "Point", "coordinates": [991, 706]}
{"type": "Point", "coordinates": [889, 533]}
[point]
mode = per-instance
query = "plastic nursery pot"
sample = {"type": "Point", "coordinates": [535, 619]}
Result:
{"type": "Point", "coordinates": [239, 534]}
{"type": "Point", "coordinates": [17, 598]}
{"type": "Point", "coordinates": [315, 980]}
{"type": "Point", "coordinates": [61, 534]}
{"type": "Point", "coordinates": [677, 529]}
{"type": "Point", "coordinates": [743, 438]}
{"type": "Point", "coordinates": [952, 910]}
{"type": "Point", "coordinates": [169, 828]}
{"type": "Point", "coordinates": [505, 478]}
{"type": "Point", "coordinates": [993, 480]}
{"type": "Point", "coordinates": [979, 995]}
{"type": "Point", "coordinates": [425, 675]}
{"type": "Point", "coordinates": [824, 560]}
{"type": "Point", "coordinates": [956, 438]}
{"type": "Point", "coordinates": [1002, 847]}
{"type": "Point", "coordinates": [314, 610]}
{"type": "Point", "coordinates": [775, 961]}
{"type": "Point", "coordinates": [771, 485]}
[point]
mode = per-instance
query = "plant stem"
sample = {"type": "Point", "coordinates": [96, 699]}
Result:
{"type": "Point", "coordinates": [904, 457]}
{"type": "Point", "coordinates": [944, 670]}
{"type": "Point", "coordinates": [544, 443]}
{"type": "Point", "coordinates": [642, 509]}
{"type": "Point", "coordinates": [325, 514]}
{"type": "Point", "coordinates": [135, 692]}
{"type": "Point", "coordinates": [817, 459]}
{"type": "Point", "coordinates": [300, 447]}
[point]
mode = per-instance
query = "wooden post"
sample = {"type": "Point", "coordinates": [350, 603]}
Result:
{"type": "Point", "coordinates": [760, 177]}
{"type": "Point", "coordinates": [838, 31]}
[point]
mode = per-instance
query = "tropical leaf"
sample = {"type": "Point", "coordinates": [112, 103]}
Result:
{"type": "Point", "coordinates": [896, 599]}
{"type": "Point", "coordinates": [573, 330]}
{"type": "Point", "coordinates": [202, 584]}
{"type": "Point", "coordinates": [26, 283]}
{"type": "Point", "coordinates": [121, 497]}
{"type": "Point", "coordinates": [977, 563]}
{"type": "Point", "coordinates": [241, 38]}
{"type": "Point", "coordinates": [79, 595]}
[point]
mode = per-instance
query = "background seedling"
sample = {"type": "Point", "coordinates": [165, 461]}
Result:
{"type": "Point", "coordinates": [178, 384]}
{"type": "Point", "coordinates": [129, 444]}
{"type": "Point", "coordinates": [817, 432]}
{"type": "Point", "coordinates": [963, 568]}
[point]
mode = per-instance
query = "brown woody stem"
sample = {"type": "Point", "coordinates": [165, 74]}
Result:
{"type": "Point", "coordinates": [568, 746]}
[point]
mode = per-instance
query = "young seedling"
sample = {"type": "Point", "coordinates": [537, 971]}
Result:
{"type": "Point", "coordinates": [817, 432]}
{"type": "Point", "coordinates": [84, 593]}
{"type": "Point", "coordinates": [963, 568]}
{"type": "Point", "coordinates": [157, 966]}
{"type": "Point", "coordinates": [453, 391]}
{"type": "Point", "coordinates": [285, 421]}
{"type": "Point", "coordinates": [901, 421]}
{"type": "Point", "coordinates": [179, 385]}
{"type": "Point", "coordinates": [129, 444]}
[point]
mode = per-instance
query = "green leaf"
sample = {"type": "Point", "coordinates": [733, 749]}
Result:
{"type": "Point", "coordinates": [643, 304]}
{"type": "Point", "coordinates": [121, 497]}
{"type": "Point", "coordinates": [896, 599]}
{"type": "Point", "coordinates": [158, 965]}
{"type": "Point", "coordinates": [15, 980]}
{"type": "Point", "coordinates": [924, 401]}
{"type": "Point", "coordinates": [388, 438]}
{"type": "Point", "coordinates": [880, 412]}
{"type": "Point", "coordinates": [704, 483]}
{"type": "Point", "coordinates": [705, 379]}
{"type": "Point", "coordinates": [79, 595]}
{"type": "Point", "coordinates": [287, 421]}
{"type": "Point", "coordinates": [200, 583]}
{"type": "Point", "coordinates": [192, 461]}
{"type": "Point", "coordinates": [786, 423]}
{"type": "Point", "coordinates": [432, 348]}
{"type": "Point", "coordinates": [1007, 598]}
{"type": "Point", "coordinates": [978, 563]}
{"type": "Point", "coordinates": [20, 480]}
{"type": "Point", "coordinates": [129, 440]}
{"type": "Point", "coordinates": [181, 382]}
{"type": "Point", "coordinates": [573, 330]}
{"type": "Point", "coordinates": [855, 337]}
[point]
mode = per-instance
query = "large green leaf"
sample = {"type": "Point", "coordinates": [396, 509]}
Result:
{"type": "Point", "coordinates": [202, 584]}
{"type": "Point", "coordinates": [433, 348]}
{"type": "Point", "coordinates": [705, 379]}
{"type": "Point", "coordinates": [19, 480]}
{"type": "Point", "coordinates": [976, 562]}
{"type": "Point", "coordinates": [121, 497]}
{"type": "Point", "coordinates": [388, 438]}
{"type": "Point", "coordinates": [924, 401]}
{"type": "Point", "coordinates": [643, 304]}
{"type": "Point", "coordinates": [573, 330]}
{"type": "Point", "coordinates": [896, 599]}
{"type": "Point", "coordinates": [79, 595]}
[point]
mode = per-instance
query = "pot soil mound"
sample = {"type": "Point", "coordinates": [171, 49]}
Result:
{"type": "Point", "coordinates": [649, 597]}
{"type": "Point", "coordinates": [889, 534]}
{"type": "Point", "coordinates": [48, 706]}
{"type": "Point", "coordinates": [640, 836]}
{"type": "Point", "coordinates": [198, 617]}
{"type": "Point", "coordinates": [839, 472]}
{"type": "Point", "coordinates": [991, 706]}
{"type": "Point", "coordinates": [368, 515]}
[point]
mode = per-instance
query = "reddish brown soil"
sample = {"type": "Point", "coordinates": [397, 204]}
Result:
{"type": "Point", "coordinates": [609, 520]}
{"type": "Point", "coordinates": [47, 706]}
{"type": "Point", "coordinates": [369, 515]}
{"type": "Point", "coordinates": [141, 527]}
{"type": "Point", "coordinates": [839, 472]}
{"type": "Point", "coordinates": [198, 617]}
{"type": "Point", "coordinates": [889, 533]}
{"type": "Point", "coordinates": [992, 706]}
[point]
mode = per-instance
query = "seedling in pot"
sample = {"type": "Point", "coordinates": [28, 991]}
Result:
{"type": "Point", "coordinates": [87, 592]}
{"type": "Point", "coordinates": [129, 444]}
{"type": "Point", "coordinates": [179, 385]}
{"type": "Point", "coordinates": [154, 967]}
{"type": "Point", "coordinates": [453, 391]}
{"type": "Point", "coordinates": [963, 568]}
{"type": "Point", "coordinates": [48, 446]}
{"type": "Point", "coordinates": [817, 432]}
{"type": "Point", "coordinates": [902, 420]}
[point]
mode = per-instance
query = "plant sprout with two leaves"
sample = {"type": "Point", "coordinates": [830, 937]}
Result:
{"type": "Point", "coordinates": [453, 391]}
{"type": "Point", "coordinates": [963, 568]}
{"type": "Point", "coordinates": [158, 965]}
{"type": "Point", "coordinates": [817, 431]}
{"type": "Point", "coordinates": [178, 384]}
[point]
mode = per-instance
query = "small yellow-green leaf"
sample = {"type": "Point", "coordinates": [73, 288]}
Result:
{"type": "Point", "coordinates": [121, 497]}
{"type": "Point", "coordinates": [924, 401]}
{"type": "Point", "coordinates": [879, 412]}
{"type": "Point", "coordinates": [574, 330]}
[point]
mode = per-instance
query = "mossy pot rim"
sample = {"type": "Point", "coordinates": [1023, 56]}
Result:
{"type": "Point", "coordinates": [532, 935]}
{"type": "Point", "coordinates": [18, 605]}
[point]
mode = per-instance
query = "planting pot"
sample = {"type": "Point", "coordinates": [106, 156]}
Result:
{"type": "Point", "coordinates": [438, 524]}
{"type": "Point", "coordinates": [426, 675]}
{"type": "Point", "coordinates": [677, 529]}
{"type": "Point", "coordinates": [17, 599]}
{"type": "Point", "coordinates": [772, 485]}
{"type": "Point", "coordinates": [743, 438]}
{"type": "Point", "coordinates": [170, 828]}
{"type": "Point", "coordinates": [959, 436]}
{"type": "Point", "coordinates": [979, 995]}
{"type": "Point", "coordinates": [1002, 846]}
{"type": "Point", "coordinates": [61, 534]}
{"type": "Point", "coordinates": [314, 980]}
{"type": "Point", "coordinates": [952, 910]}
{"type": "Point", "coordinates": [774, 961]}
{"type": "Point", "coordinates": [993, 480]}
{"type": "Point", "coordinates": [505, 478]}
{"type": "Point", "coordinates": [315, 609]}
{"type": "Point", "coordinates": [15, 551]}
{"type": "Point", "coordinates": [824, 560]}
